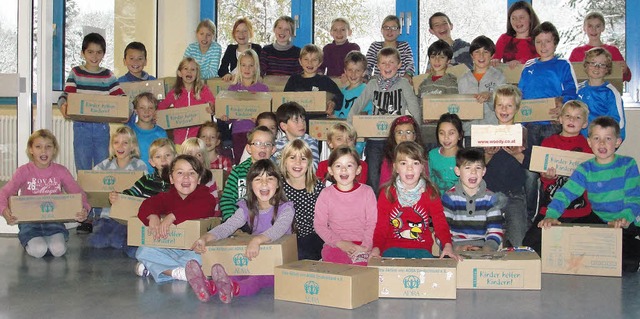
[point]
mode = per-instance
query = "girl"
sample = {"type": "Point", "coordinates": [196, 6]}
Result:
{"type": "Point", "coordinates": [281, 57]}
{"type": "Point", "coordinates": [41, 177]}
{"type": "Point", "coordinates": [302, 187]}
{"type": "Point", "coordinates": [185, 200]}
{"type": "Point", "coordinates": [516, 46]}
{"type": "Point", "coordinates": [442, 159]}
{"type": "Point", "coordinates": [267, 213]}
{"type": "Point", "coordinates": [188, 90]}
{"type": "Point", "coordinates": [206, 52]}
{"type": "Point", "coordinates": [346, 228]}
{"type": "Point", "coordinates": [242, 32]}
{"type": "Point", "coordinates": [211, 136]}
{"type": "Point", "coordinates": [198, 149]}
{"type": "Point", "coordinates": [409, 203]}
{"type": "Point", "coordinates": [247, 77]}
{"type": "Point", "coordinates": [391, 31]}
{"type": "Point", "coordinates": [404, 128]}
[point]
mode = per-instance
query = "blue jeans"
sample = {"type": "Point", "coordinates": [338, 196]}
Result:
{"type": "Point", "coordinates": [28, 231]}
{"type": "Point", "coordinates": [536, 133]}
{"type": "Point", "coordinates": [516, 223]}
{"type": "Point", "coordinates": [90, 144]}
{"type": "Point", "coordinates": [374, 152]}
{"type": "Point", "coordinates": [158, 260]}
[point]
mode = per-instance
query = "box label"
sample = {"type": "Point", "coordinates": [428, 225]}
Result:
{"type": "Point", "coordinates": [496, 135]}
{"type": "Point", "coordinates": [183, 117]}
{"type": "Point", "coordinates": [498, 278]}
{"type": "Point", "coordinates": [373, 125]}
{"type": "Point", "coordinates": [175, 237]}
{"type": "Point", "coordinates": [565, 162]}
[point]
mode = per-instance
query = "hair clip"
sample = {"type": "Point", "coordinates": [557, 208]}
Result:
{"type": "Point", "coordinates": [405, 119]}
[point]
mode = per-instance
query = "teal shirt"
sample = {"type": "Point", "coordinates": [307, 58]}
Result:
{"type": "Point", "coordinates": [441, 170]}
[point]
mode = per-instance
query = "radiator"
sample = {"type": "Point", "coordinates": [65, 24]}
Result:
{"type": "Point", "coordinates": [63, 130]}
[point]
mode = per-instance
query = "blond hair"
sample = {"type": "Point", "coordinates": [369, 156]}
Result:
{"type": "Point", "coordinates": [312, 49]}
{"type": "Point", "coordinates": [598, 51]}
{"type": "Point", "coordinates": [299, 147]}
{"type": "Point", "coordinates": [160, 143]}
{"type": "Point", "coordinates": [45, 134]}
{"type": "Point", "coordinates": [342, 128]}
{"type": "Point", "coordinates": [250, 53]}
{"type": "Point", "coordinates": [343, 20]}
{"type": "Point", "coordinates": [198, 83]}
{"type": "Point", "coordinates": [195, 145]}
{"type": "Point", "coordinates": [507, 90]}
{"type": "Point", "coordinates": [206, 23]}
{"type": "Point", "coordinates": [576, 105]}
{"type": "Point", "coordinates": [133, 140]}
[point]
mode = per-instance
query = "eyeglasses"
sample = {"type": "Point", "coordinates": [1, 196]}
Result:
{"type": "Point", "coordinates": [596, 65]}
{"type": "Point", "coordinates": [261, 144]}
{"type": "Point", "coordinates": [406, 132]}
{"type": "Point", "coordinates": [388, 28]}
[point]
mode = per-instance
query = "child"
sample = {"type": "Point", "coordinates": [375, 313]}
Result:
{"type": "Point", "coordinates": [404, 128]}
{"type": "Point", "coordinates": [242, 33]}
{"type": "Point", "coordinates": [573, 118]}
{"type": "Point", "coordinates": [266, 119]}
{"type": "Point", "coordinates": [135, 59]}
{"type": "Point", "coordinates": [310, 59]}
{"type": "Point", "coordinates": [442, 160]}
{"type": "Point", "coordinates": [247, 75]}
{"type": "Point", "coordinates": [209, 134]}
{"type": "Point", "coordinates": [407, 206]}
{"type": "Point", "coordinates": [613, 185]}
{"type": "Point", "coordinates": [481, 81]}
{"type": "Point", "coordinates": [341, 134]}
{"type": "Point", "coordinates": [516, 46]}
{"type": "Point", "coordinates": [507, 167]}
{"type": "Point", "coordinates": [346, 229]}
{"type": "Point", "coordinates": [90, 140]}
{"type": "Point", "coordinates": [188, 90]}
{"type": "Point", "coordinates": [390, 32]}
{"type": "Point", "coordinates": [41, 177]}
{"type": "Point", "coordinates": [187, 199]}
{"type": "Point", "coordinates": [594, 25]}
{"type": "Point", "coordinates": [198, 149]}
{"type": "Point", "coordinates": [281, 57]}
{"type": "Point", "coordinates": [206, 52]}
{"type": "Point", "coordinates": [440, 25]}
{"type": "Point", "coordinates": [354, 66]}
{"type": "Point", "coordinates": [473, 211]}
{"type": "Point", "coordinates": [261, 145]}
{"type": "Point", "coordinates": [146, 130]}
{"type": "Point", "coordinates": [291, 120]}
{"type": "Point", "coordinates": [601, 97]}
{"type": "Point", "coordinates": [268, 215]}
{"type": "Point", "coordinates": [440, 82]}
{"type": "Point", "coordinates": [336, 51]}
{"type": "Point", "coordinates": [389, 94]}
{"type": "Point", "coordinates": [302, 188]}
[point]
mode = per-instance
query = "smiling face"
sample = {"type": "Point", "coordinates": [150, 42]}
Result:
{"type": "Point", "coordinates": [93, 56]}
{"type": "Point", "coordinates": [439, 63]}
{"type": "Point", "coordinates": [597, 68]}
{"type": "Point", "coordinates": [593, 28]}
{"type": "Point", "coordinates": [388, 65]}
{"type": "Point", "coordinates": [409, 170]}
{"type": "Point", "coordinates": [264, 187]}
{"type": "Point", "coordinates": [241, 34]}
{"type": "Point", "coordinates": [261, 147]}
{"type": "Point", "coordinates": [162, 157]}
{"type": "Point", "coordinates": [404, 132]}
{"type": "Point", "coordinates": [135, 62]}
{"type": "Point", "coordinates": [310, 63]}
{"type": "Point", "coordinates": [603, 142]}
{"type": "Point", "coordinates": [545, 46]}
{"type": "Point", "coordinates": [340, 32]}
{"type": "Point", "coordinates": [122, 146]}
{"type": "Point", "coordinates": [573, 120]}
{"type": "Point", "coordinates": [471, 174]}
{"type": "Point", "coordinates": [145, 110]}
{"type": "Point", "coordinates": [247, 68]}
{"type": "Point", "coordinates": [344, 170]}
{"type": "Point", "coordinates": [441, 28]}
{"type": "Point", "coordinates": [390, 31]}
{"type": "Point", "coordinates": [481, 60]}
{"type": "Point", "coordinates": [210, 137]}
{"type": "Point", "coordinates": [520, 22]}
{"type": "Point", "coordinates": [42, 151]}
{"type": "Point", "coordinates": [188, 73]}
{"type": "Point", "coordinates": [184, 178]}
{"type": "Point", "coordinates": [205, 37]}
{"type": "Point", "coordinates": [282, 32]}
{"type": "Point", "coordinates": [354, 72]}
{"type": "Point", "coordinates": [297, 165]}
{"type": "Point", "coordinates": [505, 108]}
{"type": "Point", "coordinates": [448, 136]}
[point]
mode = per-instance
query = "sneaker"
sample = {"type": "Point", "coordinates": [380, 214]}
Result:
{"type": "Point", "coordinates": [179, 274]}
{"type": "Point", "coordinates": [199, 283]}
{"type": "Point", "coordinates": [226, 288]}
{"type": "Point", "coordinates": [84, 228]}
{"type": "Point", "coordinates": [141, 270]}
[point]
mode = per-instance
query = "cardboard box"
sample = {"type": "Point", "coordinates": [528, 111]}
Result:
{"type": "Point", "coordinates": [499, 270]}
{"type": "Point", "coordinates": [565, 162]}
{"type": "Point", "coordinates": [125, 207]}
{"type": "Point", "coordinates": [276, 83]}
{"type": "Point", "coordinates": [229, 252]}
{"type": "Point", "coordinates": [373, 125]}
{"type": "Point", "coordinates": [311, 101]}
{"type": "Point", "coordinates": [98, 184]}
{"type": "Point", "coordinates": [496, 135]}
{"type": "Point", "coordinates": [176, 117]}
{"type": "Point", "coordinates": [180, 236]}
{"type": "Point", "coordinates": [464, 105]}
{"type": "Point", "coordinates": [536, 110]}
{"type": "Point", "coordinates": [614, 78]}
{"type": "Point", "coordinates": [97, 108]}
{"type": "Point", "coordinates": [169, 82]}
{"type": "Point", "coordinates": [326, 284]}
{"type": "Point", "coordinates": [458, 70]}
{"type": "Point", "coordinates": [319, 129]}
{"type": "Point", "coordinates": [242, 105]}
{"type": "Point", "coordinates": [155, 87]}
{"type": "Point", "coordinates": [511, 75]}
{"type": "Point", "coordinates": [575, 249]}
{"type": "Point", "coordinates": [217, 85]}
{"type": "Point", "coordinates": [220, 176]}
{"type": "Point", "coordinates": [46, 208]}
{"type": "Point", "coordinates": [416, 278]}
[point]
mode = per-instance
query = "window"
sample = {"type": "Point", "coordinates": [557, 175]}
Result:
{"type": "Point", "coordinates": [9, 37]}
{"type": "Point", "coordinates": [261, 13]}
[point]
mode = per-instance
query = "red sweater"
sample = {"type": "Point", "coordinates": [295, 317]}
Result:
{"type": "Point", "coordinates": [408, 227]}
{"type": "Point", "coordinates": [199, 204]}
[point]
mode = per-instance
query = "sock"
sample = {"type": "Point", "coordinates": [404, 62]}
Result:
{"type": "Point", "coordinates": [179, 274]}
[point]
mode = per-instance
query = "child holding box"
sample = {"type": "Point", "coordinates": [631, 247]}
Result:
{"type": "Point", "coordinates": [145, 106]}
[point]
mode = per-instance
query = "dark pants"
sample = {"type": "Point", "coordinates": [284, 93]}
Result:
{"type": "Point", "coordinates": [310, 247]}
{"type": "Point", "coordinates": [533, 237]}
{"type": "Point", "coordinates": [374, 152]}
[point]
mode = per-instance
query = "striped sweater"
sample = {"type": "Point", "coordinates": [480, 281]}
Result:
{"type": "Point", "coordinates": [208, 61]}
{"type": "Point", "coordinates": [613, 188]}
{"type": "Point", "coordinates": [276, 62]}
{"type": "Point", "coordinates": [148, 185]}
{"type": "Point", "coordinates": [406, 57]}
{"type": "Point", "coordinates": [81, 80]}
{"type": "Point", "coordinates": [235, 189]}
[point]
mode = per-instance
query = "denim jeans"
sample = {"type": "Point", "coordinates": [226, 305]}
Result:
{"type": "Point", "coordinates": [374, 152]}
{"type": "Point", "coordinates": [158, 260]}
{"type": "Point", "coordinates": [90, 144]}
{"type": "Point", "coordinates": [516, 223]}
{"type": "Point", "coordinates": [536, 133]}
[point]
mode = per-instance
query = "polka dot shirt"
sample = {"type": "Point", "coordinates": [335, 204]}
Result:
{"type": "Point", "coordinates": [304, 204]}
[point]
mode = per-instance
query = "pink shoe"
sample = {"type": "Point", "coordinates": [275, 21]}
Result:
{"type": "Point", "coordinates": [199, 283]}
{"type": "Point", "coordinates": [226, 287]}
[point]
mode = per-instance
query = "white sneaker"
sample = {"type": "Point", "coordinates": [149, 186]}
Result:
{"type": "Point", "coordinates": [179, 274]}
{"type": "Point", "coordinates": [141, 270]}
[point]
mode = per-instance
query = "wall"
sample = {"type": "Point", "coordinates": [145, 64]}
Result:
{"type": "Point", "coordinates": [630, 146]}
{"type": "Point", "coordinates": [135, 20]}
{"type": "Point", "coordinates": [177, 21]}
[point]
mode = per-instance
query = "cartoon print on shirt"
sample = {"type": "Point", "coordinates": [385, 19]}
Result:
{"type": "Point", "coordinates": [409, 224]}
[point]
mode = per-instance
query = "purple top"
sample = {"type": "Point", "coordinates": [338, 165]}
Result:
{"type": "Point", "coordinates": [280, 227]}
{"type": "Point", "coordinates": [255, 87]}
{"type": "Point", "coordinates": [334, 57]}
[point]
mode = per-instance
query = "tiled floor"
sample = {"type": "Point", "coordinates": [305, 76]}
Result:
{"type": "Point", "coordinates": [92, 283]}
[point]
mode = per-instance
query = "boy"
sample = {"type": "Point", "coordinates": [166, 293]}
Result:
{"type": "Point", "coordinates": [441, 26]}
{"type": "Point", "coordinates": [472, 211]}
{"type": "Point", "coordinates": [341, 134]}
{"type": "Point", "coordinates": [260, 146]}
{"type": "Point", "coordinates": [336, 51]}
{"type": "Point", "coordinates": [613, 184]}
{"type": "Point", "coordinates": [440, 82]}
{"type": "Point", "coordinates": [135, 59]}
{"type": "Point", "coordinates": [390, 94]}
{"type": "Point", "coordinates": [355, 64]}
{"type": "Point", "coordinates": [145, 106]}
{"type": "Point", "coordinates": [602, 98]}
{"type": "Point", "coordinates": [291, 120]}
{"type": "Point", "coordinates": [310, 59]}
{"type": "Point", "coordinates": [573, 118]}
{"type": "Point", "coordinates": [507, 167]}
{"type": "Point", "coordinates": [594, 26]}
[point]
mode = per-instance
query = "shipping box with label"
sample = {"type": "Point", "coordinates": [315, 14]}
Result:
{"type": "Point", "coordinates": [311, 101]}
{"type": "Point", "coordinates": [326, 284]}
{"type": "Point", "coordinates": [97, 108]}
{"type": "Point", "coordinates": [229, 252]}
{"type": "Point", "coordinates": [45, 208]}
{"type": "Point", "coordinates": [464, 105]}
{"type": "Point", "coordinates": [220, 176]}
{"type": "Point", "coordinates": [373, 125]}
{"type": "Point", "coordinates": [98, 184]}
{"type": "Point", "coordinates": [125, 207]}
{"type": "Point", "coordinates": [319, 129]}
{"type": "Point", "coordinates": [155, 87]}
{"type": "Point", "coordinates": [242, 105]}
{"type": "Point", "coordinates": [614, 78]}
{"type": "Point", "coordinates": [416, 278]}
{"type": "Point", "coordinates": [176, 117]}
{"type": "Point", "coordinates": [512, 75]}
{"type": "Point", "coordinates": [496, 135]}
{"type": "Point", "coordinates": [565, 162]}
{"type": "Point", "coordinates": [576, 249]}
{"type": "Point", "coordinates": [518, 270]}
{"type": "Point", "coordinates": [536, 110]}
{"type": "Point", "coordinates": [180, 236]}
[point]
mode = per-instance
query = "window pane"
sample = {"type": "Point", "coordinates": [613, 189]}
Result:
{"type": "Point", "coordinates": [261, 13]}
{"type": "Point", "coordinates": [9, 37]}
{"type": "Point", "coordinates": [488, 18]}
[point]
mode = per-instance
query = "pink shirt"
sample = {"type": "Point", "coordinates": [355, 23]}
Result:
{"type": "Point", "coordinates": [186, 99]}
{"type": "Point", "coordinates": [577, 55]}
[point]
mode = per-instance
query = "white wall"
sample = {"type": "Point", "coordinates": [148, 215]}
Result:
{"type": "Point", "coordinates": [177, 21]}
{"type": "Point", "coordinates": [630, 145]}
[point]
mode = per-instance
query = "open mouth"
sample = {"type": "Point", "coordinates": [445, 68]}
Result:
{"type": "Point", "coordinates": [262, 155]}
{"type": "Point", "coordinates": [344, 177]}
{"type": "Point", "coordinates": [44, 158]}
{"type": "Point", "coordinates": [264, 192]}
{"type": "Point", "coordinates": [185, 184]}
{"type": "Point", "coordinates": [602, 150]}
{"type": "Point", "coordinates": [472, 180]}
